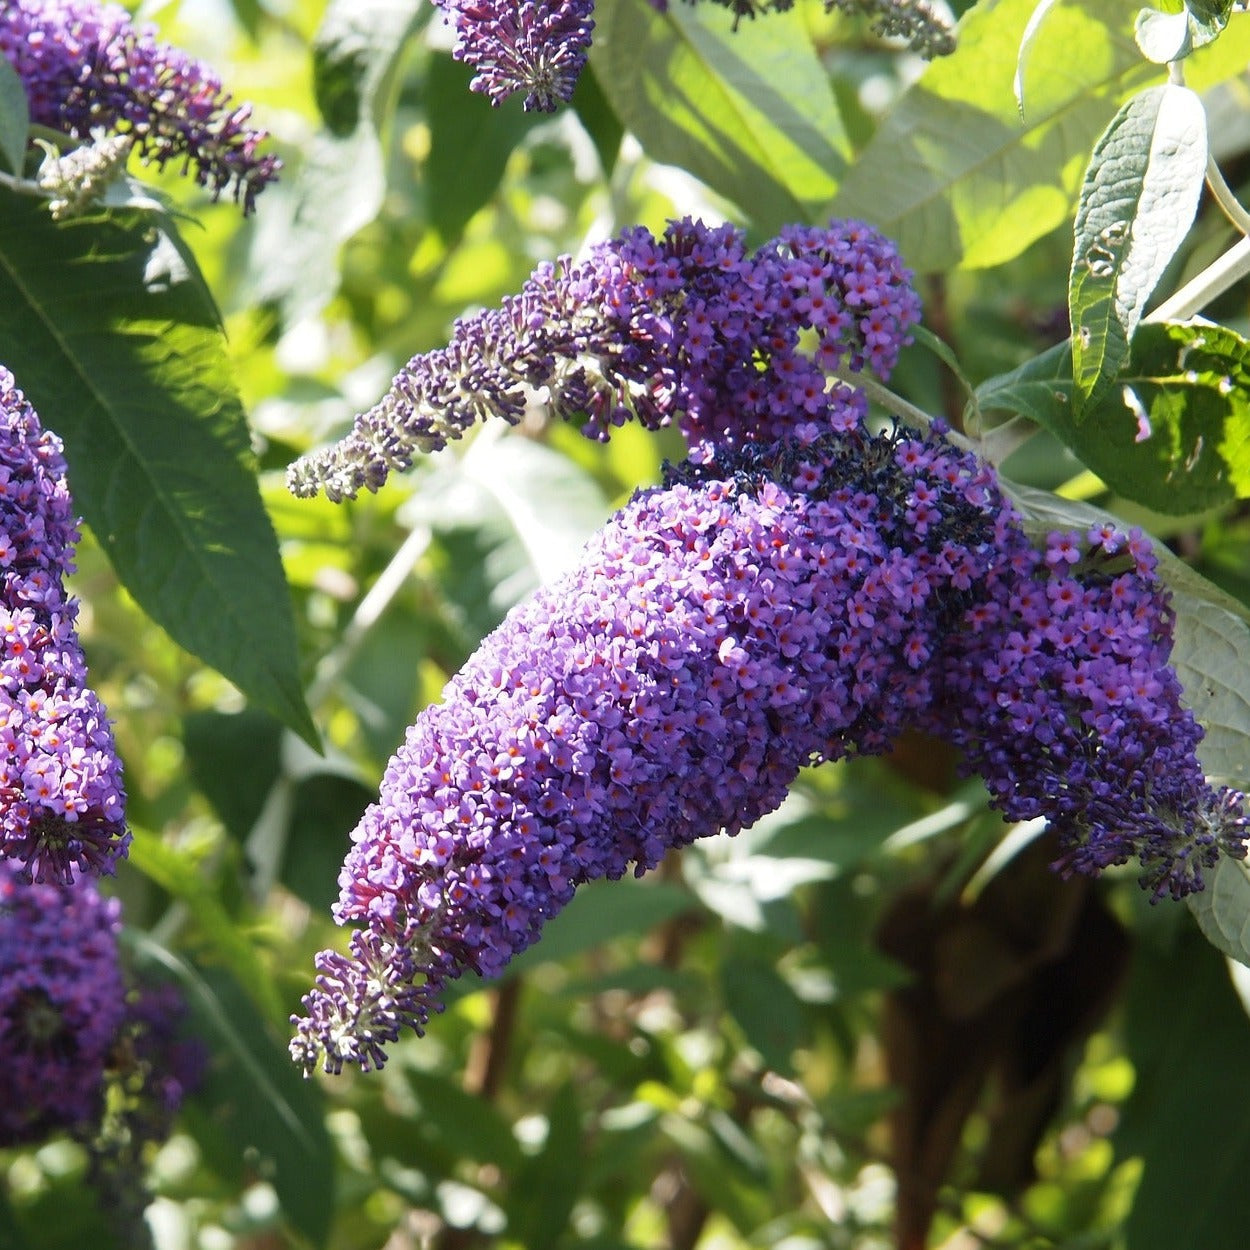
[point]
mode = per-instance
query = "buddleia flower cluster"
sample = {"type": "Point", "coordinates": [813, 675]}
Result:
{"type": "Point", "coordinates": [752, 616]}
{"type": "Point", "coordinates": [88, 68]}
{"type": "Point", "coordinates": [690, 328]}
{"type": "Point", "coordinates": [540, 47]}
{"type": "Point", "coordinates": [1060, 694]}
{"type": "Point", "coordinates": [798, 590]}
{"type": "Point", "coordinates": [62, 806]}
{"type": "Point", "coordinates": [86, 1053]}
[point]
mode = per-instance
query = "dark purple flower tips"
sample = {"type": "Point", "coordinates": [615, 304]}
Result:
{"type": "Point", "coordinates": [771, 610]}
{"type": "Point", "coordinates": [1060, 693]}
{"type": "Point", "coordinates": [86, 66]}
{"type": "Point", "coordinates": [62, 806]}
{"type": "Point", "coordinates": [689, 328]}
{"type": "Point", "coordinates": [62, 1000]}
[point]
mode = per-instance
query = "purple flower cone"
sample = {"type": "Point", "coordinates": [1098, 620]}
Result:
{"type": "Point", "coordinates": [62, 806]}
{"type": "Point", "coordinates": [718, 635]}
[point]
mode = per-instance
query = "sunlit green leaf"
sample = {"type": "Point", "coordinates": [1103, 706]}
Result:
{"type": "Point", "coordinates": [957, 177]}
{"type": "Point", "coordinates": [179, 875]}
{"type": "Point", "coordinates": [339, 187]}
{"type": "Point", "coordinates": [1137, 203]}
{"type": "Point", "coordinates": [751, 112]}
{"type": "Point", "coordinates": [1173, 434]}
{"type": "Point", "coordinates": [109, 329]}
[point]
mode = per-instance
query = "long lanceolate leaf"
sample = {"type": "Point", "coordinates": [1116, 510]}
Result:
{"type": "Point", "coordinates": [1137, 204]}
{"type": "Point", "coordinates": [750, 113]}
{"type": "Point", "coordinates": [111, 333]}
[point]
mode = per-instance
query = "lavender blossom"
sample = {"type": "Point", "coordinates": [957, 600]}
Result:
{"type": "Point", "coordinates": [86, 66]}
{"type": "Point", "coordinates": [62, 807]}
{"type": "Point", "coordinates": [535, 46]}
{"type": "Point", "coordinates": [1059, 692]}
{"type": "Point", "coordinates": [770, 610]}
{"type": "Point", "coordinates": [62, 1001]}
{"type": "Point", "coordinates": [687, 328]}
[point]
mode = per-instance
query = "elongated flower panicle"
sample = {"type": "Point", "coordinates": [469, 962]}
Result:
{"type": "Point", "coordinates": [1060, 694]}
{"type": "Point", "coordinates": [535, 46]}
{"type": "Point", "coordinates": [87, 67]}
{"type": "Point", "coordinates": [772, 609]}
{"type": "Point", "coordinates": [689, 328]}
{"type": "Point", "coordinates": [62, 806]}
{"type": "Point", "coordinates": [62, 1001]}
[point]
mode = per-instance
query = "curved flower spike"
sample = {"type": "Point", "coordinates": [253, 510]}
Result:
{"type": "Point", "coordinates": [689, 328]}
{"type": "Point", "coordinates": [751, 617]}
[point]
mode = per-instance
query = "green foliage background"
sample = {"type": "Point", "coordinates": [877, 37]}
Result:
{"type": "Point", "coordinates": [874, 1019]}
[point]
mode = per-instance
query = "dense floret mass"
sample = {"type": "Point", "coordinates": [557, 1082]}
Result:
{"type": "Point", "coordinates": [86, 67]}
{"type": "Point", "coordinates": [62, 1000]}
{"type": "Point", "coordinates": [770, 610]}
{"type": "Point", "coordinates": [1060, 694]}
{"type": "Point", "coordinates": [535, 46]}
{"type": "Point", "coordinates": [62, 806]}
{"type": "Point", "coordinates": [689, 328]}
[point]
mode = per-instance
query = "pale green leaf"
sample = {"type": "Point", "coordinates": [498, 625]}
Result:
{"type": "Point", "coordinates": [957, 178]}
{"type": "Point", "coordinates": [1031, 29]}
{"type": "Point", "coordinates": [1222, 909]}
{"type": "Point", "coordinates": [14, 118]}
{"type": "Point", "coordinates": [339, 187]}
{"type": "Point", "coordinates": [1139, 198]}
{"type": "Point", "coordinates": [751, 112]}
{"type": "Point", "coordinates": [1163, 37]}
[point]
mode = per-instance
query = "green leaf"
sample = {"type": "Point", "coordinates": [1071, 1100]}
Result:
{"type": "Point", "coordinates": [954, 175]}
{"type": "Point", "coordinates": [112, 334]}
{"type": "Point", "coordinates": [1139, 198]}
{"type": "Point", "coordinates": [1186, 1033]}
{"type": "Point", "coordinates": [764, 1006]}
{"type": "Point", "coordinates": [235, 758]}
{"type": "Point", "coordinates": [1207, 19]}
{"type": "Point", "coordinates": [257, 1099]}
{"type": "Point", "coordinates": [1174, 435]}
{"type": "Point", "coordinates": [470, 142]}
{"type": "Point", "coordinates": [1163, 37]}
{"type": "Point", "coordinates": [339, 188]}
{"type": "Point", "coordinates": [1209, 656]}
{"type": "Point", "coordinates": [14, 118]}
{"type": "Point", "coordinates": [459, 1124]}
{"type": "Point", "coordinates": [596, 116]}
{"type": "Point", "coordinates": [545, 1187]}
{"type": "Point", "coordinates": [1222, 909]}
{"type": "Point", "coordinates": [750, 113]}
{"type": "Point", "coordinates": [1031, 29]}
{"type": "Point", "coordinates": [180, 876]}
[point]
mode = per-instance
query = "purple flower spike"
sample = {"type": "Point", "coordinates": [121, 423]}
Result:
{"type": "Point", "coordinates": [62, 807]}
{"type": "Point", "coordinates": [771, 610]}
{"type": "Point", "coordinates": [62, 1000]}
{"type": "Point", "coordinates": [689, 328]}
{"type": "Point", "coordinates": [1060, 694]}
{"type": "Point", "coordinates": [86, 66]}
{"type": "Point", "coordinates": [535, 46]}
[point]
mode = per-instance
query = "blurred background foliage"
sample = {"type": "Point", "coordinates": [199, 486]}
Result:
{"type": "Point", "coordinates": [862, 1023]}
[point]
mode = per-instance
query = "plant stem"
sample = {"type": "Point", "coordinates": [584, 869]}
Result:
{"type": "Point", "coordinates": [1212, 282]}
